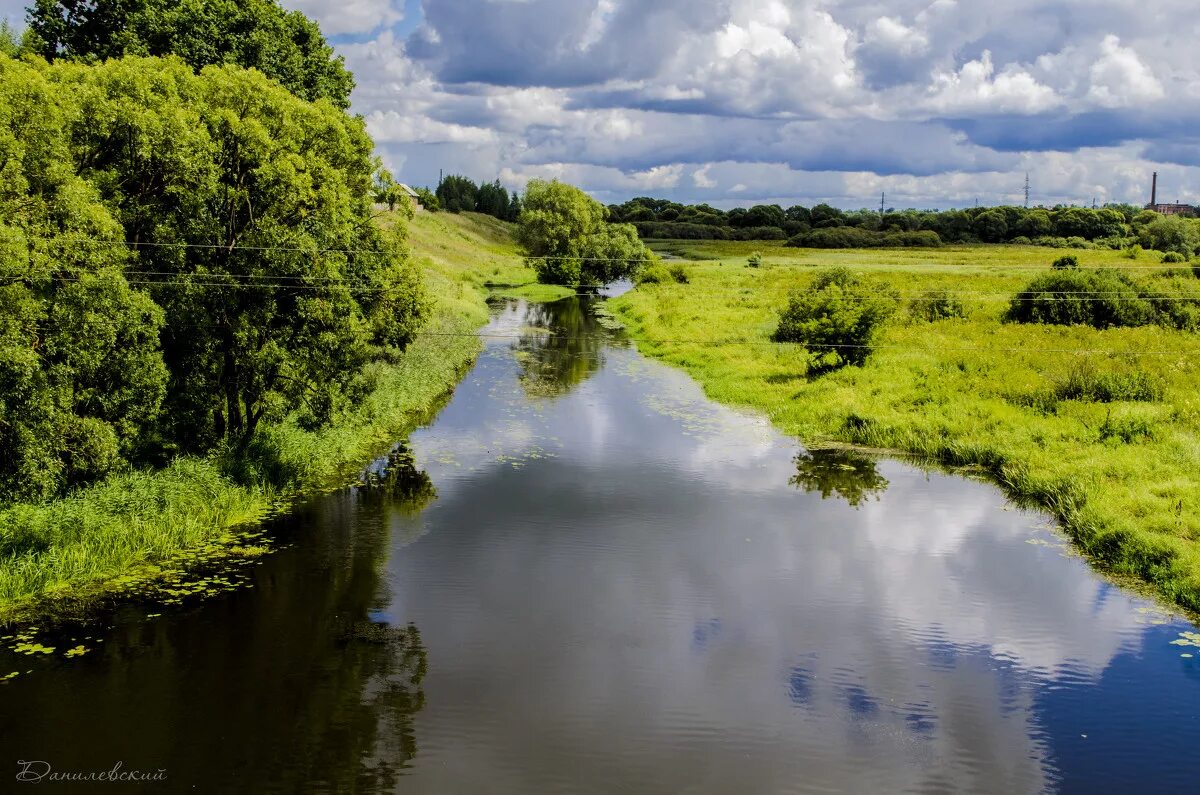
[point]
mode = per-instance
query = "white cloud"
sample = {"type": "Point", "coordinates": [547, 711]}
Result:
{"type": "Point", "coordinates": [1120, 79]}
{"type": "Point", "coordinates": [941, 101]}
{"type": "Point", "coordinates": [976, 88]}
{"type": "Point", "coordinates": [351, 16]}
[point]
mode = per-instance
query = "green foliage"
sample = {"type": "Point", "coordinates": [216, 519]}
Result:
{"type": "Point", "coordinates": [284, 45]}
{"type": "Point", "coordinates": [1086, 382]}
{"type": "Point", "coordinates": [851, 237]}
{"type": "Point", "coordinates": [1101, 299]}
{"type": "Point", "coordinates": [755, 260]}
{"type": "Point", "coordinates": [10, 42]}
{"type": "Point", "coordinates": [936, 305]}
{"type": "Point", "coordinates": [1171, 233]}
{"type": "Point", "coordinates": [457, 194]}
{"type": "Point", "coordinates": [429, 199]}
{"type": "Point", "coordinates": [659, 272]}
{"type": "Point", "coordinates": [264, 286]}
{"type": "Point", "coordinates": [1173, 257]}
{"type": "Point", "coordinates": [1066, 262]}
{"type": "Point", "coordinates": [386, 190]}
{"type": "Point", "coordinates": [1132, 252]}
{"type": "Point", "coordinates": [567, 237]}
{"type": "Point", "coordinates": [81, 373]}
{"type": "Point", "coordinates": [837, 318]}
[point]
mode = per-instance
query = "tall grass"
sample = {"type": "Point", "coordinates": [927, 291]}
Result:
{"type": "Point", "coordinates": [1101, 428]}
{"type": "Point", "coordinates": [128, 527]}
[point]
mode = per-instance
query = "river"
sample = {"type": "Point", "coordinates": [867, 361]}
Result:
{"type": "Point", "coordinates": [585, 577]}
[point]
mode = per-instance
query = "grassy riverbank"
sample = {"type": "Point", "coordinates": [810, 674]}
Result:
{"type": "Point", "coordinates": [134, 526]}
{"type": "Point", "coordinates": [1049, 412]}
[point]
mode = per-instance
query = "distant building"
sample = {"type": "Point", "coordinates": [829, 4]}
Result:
{"type": "Point", "coordinates": [1167, 209]}
{"type": "Point", "coordinates": [413, 195]}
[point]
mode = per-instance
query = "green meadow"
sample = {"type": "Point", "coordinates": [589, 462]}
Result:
{"type": "Point", "coordinates": [140, 526]}
{"type": "Point", "coordinates": [1101, 428]}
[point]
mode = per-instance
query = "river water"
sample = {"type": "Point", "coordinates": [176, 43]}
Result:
{"type": "Point", "coordinates": [585, 577]}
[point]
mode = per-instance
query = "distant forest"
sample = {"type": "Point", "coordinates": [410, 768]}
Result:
{"type": "Point", "coordinates": [1114, 226]}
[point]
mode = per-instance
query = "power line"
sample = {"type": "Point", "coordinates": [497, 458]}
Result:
{"type": "Point", "coordinates": [972, 296]}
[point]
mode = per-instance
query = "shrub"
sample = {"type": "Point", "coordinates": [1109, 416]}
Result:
{"type": "Point", "coordinates": [1173, 257]}
{"type": "Point", "coordinates": [926, 238]}
{"type": "Point", "coordinates": [853, 237]}
{"type": "Point", "coordinates": [678, 272]}
{"type": "Point", "coordinates": [1084, 382]}
{"type": "Point", "coordinates": [758, 233]}
{"type": "Point", "coordinates": [1021, 240]}
{"type": "Point", "coordinates": [935, 306]}
{"type": "Point", "coordinates": [1068, 297]}
{"type": "Point", "coordinates": [836, 318]}
{"type": "Point", "coordinates": [1133, 252]}
{"type": "Point", "coordinates": [755, 261]}
{"type": "Point", "coordinates": [1069, 261]}
{"type": "Point", "coordinates": [654, 273]}
{"type": "Point", "coordinates": [1079, 242]}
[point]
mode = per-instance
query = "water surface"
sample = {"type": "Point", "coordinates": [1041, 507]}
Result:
{"type": "Point", "coordinates": [585, 577]}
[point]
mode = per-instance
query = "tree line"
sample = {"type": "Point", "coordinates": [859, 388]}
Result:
{"type": "Point", "coordinates": [1113, 226]}
{"type": "Point", "coordinates": [458, 194]}
{"type": "Point", "coordinates": [187, 248]}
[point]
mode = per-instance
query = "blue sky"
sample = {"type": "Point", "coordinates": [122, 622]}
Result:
{"type": "Point", "coordinates": [734, 102]}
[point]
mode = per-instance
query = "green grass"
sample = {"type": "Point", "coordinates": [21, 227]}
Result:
{"type": "Point", "coordinates": [1077, 421]}
{"type": "Point", "coordinates": [136, 527]}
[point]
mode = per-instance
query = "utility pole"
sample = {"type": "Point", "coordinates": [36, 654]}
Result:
{"type": "Point", "coordinates": [882, 205]}
{"type": "Point", "coordinates": [1093, 202]}
{"type": "Point", "coordinates": [1026, 190]}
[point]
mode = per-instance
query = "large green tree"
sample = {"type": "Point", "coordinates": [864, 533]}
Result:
{"type": "Point", "coordinates": [81, 374]}
{"type": "Point", "coordinates": [569, 241]}
{"type": "Point", "coordinates": [284, 45]}
{"type": "Point", "coordinates": [249, 212]}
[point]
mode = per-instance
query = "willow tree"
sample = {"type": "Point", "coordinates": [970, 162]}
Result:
{"type": "Point", "coordinates": [568, 238]}
{"type": "Point", "coordinates": [249, 213]}
{"type": "Point", "coordinates": [81, 374]}
{"type": "Point", "coordinates": [284, 45]}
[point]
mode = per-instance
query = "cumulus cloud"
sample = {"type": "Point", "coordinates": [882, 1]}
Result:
{"type": "Point", "coordinates": [733, 101]}
{"type": "Point", "coordinates": [976, 88]}
{"type": "Point", "coordinates": [1120, 79]}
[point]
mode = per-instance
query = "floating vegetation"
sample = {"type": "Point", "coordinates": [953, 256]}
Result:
{"type": "Point", "coordinates": [32, 648]}
{"type": "Point", "coordinates": [78, 651]}
{"type": "Point", "coordinates": [1187, 639]}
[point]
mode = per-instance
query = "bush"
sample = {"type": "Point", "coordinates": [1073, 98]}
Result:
{"type": "Point", "coordinates": [1084, 382]}
{"type": "Point", "coordinates": [836, 237]}
{"type": "Point", "coordinates": [658, 272]}
{"type": "Point", "coordinates": [925, 238]}
{"type": "Point", "coordinates": [678, 272]}
{"type": "Point", "coordinates": [1133, 252]}
{"type": "Point", "coordinates": [755, 260]}
{"type": "Point", "coordinates": [1021, 240]}
{"type": "Point", "coordinates": [758, 233]}
{"type": "Point", "coordinates": [1173, 257]}
{"type": "Point", "coordinates": [1068, 297]}
{"type": "Point", "coordinates": [836, 318]}
{"type": "Point", "coordinates": [935, 306]}
{"type": "Point", "coordinates": [1063, 263]}
{"type": "Point", "coordinates": [675, 230]}
{"type": "Point", "coordinates": [1079, 242]}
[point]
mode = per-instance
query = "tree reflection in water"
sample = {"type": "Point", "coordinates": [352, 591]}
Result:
{"type": "Point", "coordinates": [561, 348]}
{"type": "Point", "coordinates": [396, 480]}
{"type": "Point", "coordinates": [847, 474]}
